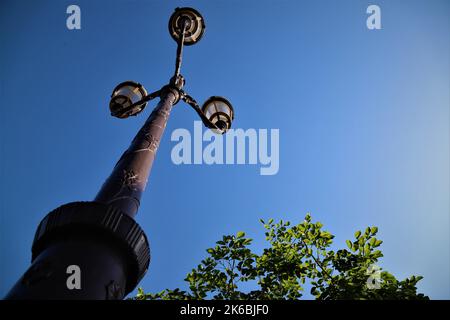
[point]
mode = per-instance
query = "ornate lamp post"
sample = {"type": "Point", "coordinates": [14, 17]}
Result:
{"type": "Point", "coordinates": [100, 238]}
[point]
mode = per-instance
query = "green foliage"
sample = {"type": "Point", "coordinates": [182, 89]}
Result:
{"type": "Point", "coordinates": [296, 255]}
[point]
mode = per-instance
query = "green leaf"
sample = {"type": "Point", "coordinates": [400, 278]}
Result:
{"type": "Point", "coordinates": [374, 230]}
{"type": "Point", "coordinates": [240, 234]}
{"type": "Point", "coordinates": [377, 254]}
{"type": "Point", "coordinates": [357, 234]}
{"type": "Point", "coordinates": [349, 244]}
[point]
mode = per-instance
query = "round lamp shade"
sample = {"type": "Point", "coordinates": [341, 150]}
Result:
{"type": "Point", "coordinates": [219, 111]}
{"type": "Point", "coordinates": [124, 95]}
{"type": "Point", "coordinates": [195, 25]}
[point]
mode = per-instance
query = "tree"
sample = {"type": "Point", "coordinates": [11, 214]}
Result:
{"type": "Point", "coordinates": [298, 256]}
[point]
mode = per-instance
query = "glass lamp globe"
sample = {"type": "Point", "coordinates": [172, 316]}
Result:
{"type": "Point", "coordinates": [220, 112]}
{"type": "Point", "coordinates": [125, 95]}
{"type": "Point", "coordinates": [195, 25]}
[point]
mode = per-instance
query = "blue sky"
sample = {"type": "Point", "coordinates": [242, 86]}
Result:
{"type": "Point", "coordinates": [363, 118]}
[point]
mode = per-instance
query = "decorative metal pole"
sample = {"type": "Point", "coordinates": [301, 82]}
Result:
{"type": "Point", "coordinates": [96, 250]}
{"type": "Point", "coordinates": [124, 187]}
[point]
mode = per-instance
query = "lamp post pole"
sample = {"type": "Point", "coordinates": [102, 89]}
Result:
{"type": "Point", "coordinates": [100, 238]}
{"type": "Point", "coordinates": [96, 250]}
{"type": "Point", "coordinates": [125, 185]}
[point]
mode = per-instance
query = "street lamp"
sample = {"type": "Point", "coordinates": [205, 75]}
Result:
{"type": "Point", "coordinates": [101, 237]}
{"type": "Point", "coordinates": [186, 26]}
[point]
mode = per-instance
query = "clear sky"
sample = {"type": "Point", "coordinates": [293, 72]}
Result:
{"type": "Point", "coordinates": [363, 118]}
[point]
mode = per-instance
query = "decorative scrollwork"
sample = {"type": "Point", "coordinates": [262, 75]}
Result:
{"type": "Point", "coordinates": [153, 143]}
{"type": "Point", "coordinates": [129, 179]}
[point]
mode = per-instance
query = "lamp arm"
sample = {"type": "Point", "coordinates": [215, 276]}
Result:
{"type": "Point", "coordinates": [191, 101]}
{"type": "Point", "coordinates": [179, 57]}
{"type": "Point", "coordinates": [149, 97]}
